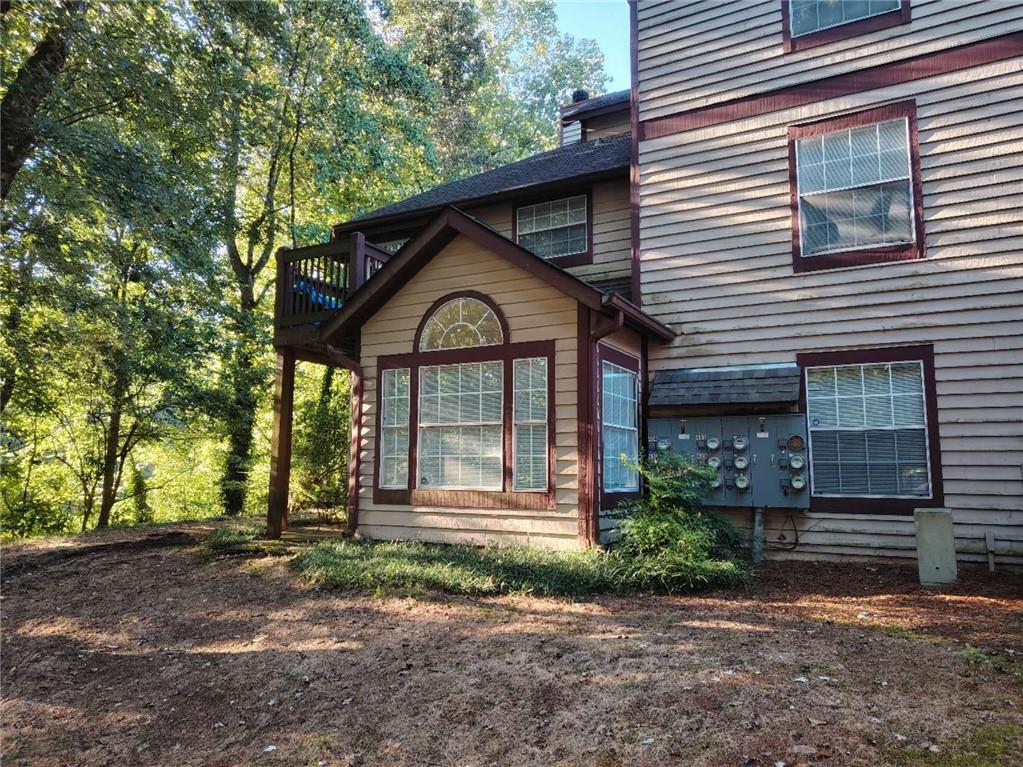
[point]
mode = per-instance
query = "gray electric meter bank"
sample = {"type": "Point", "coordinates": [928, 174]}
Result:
{"type": "Point", "coordinates": [761, 461]}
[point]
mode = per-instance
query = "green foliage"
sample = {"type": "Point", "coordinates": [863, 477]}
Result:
{"type": "Point", "coordinates": [370, 566]}
{"type": "Point", "coordinates": [666, 542]}
{"type": "Point", "coordinates": [182, 143]}
{"type": "Point", "coordinates": [230, 536]}
{"type": "Point", "coordinates": [990, 745]}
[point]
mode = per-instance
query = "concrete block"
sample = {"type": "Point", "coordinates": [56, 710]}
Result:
{"type": "Point", "coordinates": [935, 546]}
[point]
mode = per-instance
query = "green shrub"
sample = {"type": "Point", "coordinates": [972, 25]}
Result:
{"type": "Point", "coordinates": [666, 542]}
{"type": "Point", "coordinates": [232, 535]}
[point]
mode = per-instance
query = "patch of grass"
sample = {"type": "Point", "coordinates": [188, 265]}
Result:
{"type": "Point", "coordinates": [230, 536]}
{"type": "Point", "coordinates": [987, 746]}
{"type": "Point", "coordinates": [410, 567]}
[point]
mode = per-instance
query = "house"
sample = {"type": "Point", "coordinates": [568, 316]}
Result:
{"type": "Point", "coordinates": [794, 250]}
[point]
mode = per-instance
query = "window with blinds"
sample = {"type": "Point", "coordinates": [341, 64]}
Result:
{"type": "Point", "coordinates": [394, 416]}
{"type": "Point", "coordinates": [855, 188]}
{"type": "Point", "coordinates": [620, 427]}
{"type": "Point", "coordinates": [530, 424]}
{"type": "Point", "coordinates": [556, 228]}
{"type": "Point", "coordinates": [460, 426]}
{"type": "Point", "coordinates": [868, 430]}
{"type": "Point", "coordinates": [808, 16]}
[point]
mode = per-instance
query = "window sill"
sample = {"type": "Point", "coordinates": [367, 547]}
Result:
{"type": "Point", "coordinates": [895, 18]}
{"type": "Point", "coordinates": [860, 257]}
{"type": "Point", "coordinates": [467, 499]}
{"type": "Point", "coordinates": [872, 504]}
{"type": "Point", "coordinates": [572, 259]}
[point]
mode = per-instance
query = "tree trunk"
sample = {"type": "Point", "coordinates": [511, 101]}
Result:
{"type": "Point", "coordinates": [242, 417]}
{"type": "Point", "coordinates": [111, 452]}
{"type": "Point", "coordinates": [34, 82]}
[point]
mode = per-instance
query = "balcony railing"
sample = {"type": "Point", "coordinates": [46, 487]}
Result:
{"type": "Point", "coordinates": [313, 282]}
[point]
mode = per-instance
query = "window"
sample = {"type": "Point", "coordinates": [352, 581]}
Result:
{"type": "Point", "coordinates": [394, 417]}
{"type": "Point", "coordinates": [461, 323]}
{"type": "Point", "coordinates": [855, 188]}
{"type": "Point", "coordinates": [530, 435]}
{"type": "Point", "coordinates": [620, 424]}
{"type": "Point", "coordinates": [809, 16]}
{"type": "Point", "coordinates": [554, 229]}
{"type": "Point", "coordinates": [460, 426]}
{"type": "Point", "coordinates": [868, 430]}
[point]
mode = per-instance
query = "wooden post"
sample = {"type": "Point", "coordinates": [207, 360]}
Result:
{"type": "Point", "coordinates": [355, 449]}
{"type": "Point", "coordinates": [280, 443]}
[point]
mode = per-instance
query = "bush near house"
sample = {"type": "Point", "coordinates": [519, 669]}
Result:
{"type": "Point", "coordinates": [666, 545]}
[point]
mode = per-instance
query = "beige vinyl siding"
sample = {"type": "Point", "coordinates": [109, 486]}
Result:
{"type": "Point", "coordinates": [535, 312]}
{"type": "Point", "coordinates": [717, 266]}
{"type": "Point", "coordinates": [611, 244]}
{"type": "Point", "coordinates": [606, 126]}
{"type": "Point", "coordinates": [734, 49]}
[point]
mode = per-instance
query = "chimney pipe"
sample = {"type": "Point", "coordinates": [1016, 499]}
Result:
{"type": "Point", "coordinates": [579, 94]}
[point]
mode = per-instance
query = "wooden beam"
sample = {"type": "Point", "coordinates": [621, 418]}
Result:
{"type": "Point", "coordinates": [280, 443]}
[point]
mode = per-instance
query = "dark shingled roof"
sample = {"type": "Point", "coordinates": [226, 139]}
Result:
{"type": "Point", "coordinates": [561, 164]}
{"type": "Point", "coordinates": [756, 384]}
{"type": "Point", "coordinates": [596, 103]}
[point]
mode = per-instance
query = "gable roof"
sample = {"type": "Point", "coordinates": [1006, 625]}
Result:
{"type": "Point", "coordinates": [586, 159]}
{"type": "Point", "coordinates": [445, 227]}
{"type": "Point", "coordinates": [751, 384]}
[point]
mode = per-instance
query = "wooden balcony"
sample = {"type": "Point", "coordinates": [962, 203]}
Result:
{"type": "Point", "coordinates": [313, 283]}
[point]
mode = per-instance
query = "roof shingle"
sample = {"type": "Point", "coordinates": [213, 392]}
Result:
{"type": "Point", "coordinates": [757, 384]}
{"type": "Point", "coordinates": [561, 164]}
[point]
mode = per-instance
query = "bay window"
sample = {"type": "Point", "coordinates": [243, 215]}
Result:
{"type": "Point", "coordinates": [464, 418]}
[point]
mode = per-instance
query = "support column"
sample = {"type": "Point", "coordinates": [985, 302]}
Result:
{"type": "Point", "coordinates": [355, 450]}
{"type": "Point", "coordinates": [280, 443]}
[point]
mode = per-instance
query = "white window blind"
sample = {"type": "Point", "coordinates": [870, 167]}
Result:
{"type": "Point", "coordinates": [460, 426]}
{"type": "Point", "coordinates": [868, 430]}
{"type": "Point", "coordinates": [394, 401]}
{"type": "Point", "coordinates": [855, 188]}
{"type": "Point", "coordinates": [807, 16]}
{"type": "Point", "coordinates": [555, 228]}
{"type": "Point", "coordinates": [620, 427]}
{"type": "Point", "coordinates": [530, 437]}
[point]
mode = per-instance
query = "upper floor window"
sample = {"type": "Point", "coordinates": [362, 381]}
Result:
{"type": "Point", "coordinates": [554, 229]}
{"type": "Point", "coordinates": [809, 16]}
{"type": "Point", "coordinates": [459, 324]}
{"type": "Point", "coordinates": [856, 189]}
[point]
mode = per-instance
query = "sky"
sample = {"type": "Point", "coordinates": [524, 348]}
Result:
{"type": "Point", "coordinates": [607, 22]}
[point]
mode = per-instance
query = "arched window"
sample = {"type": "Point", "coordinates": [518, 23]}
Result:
{"type": "Point", "coordinates": [461, 323]}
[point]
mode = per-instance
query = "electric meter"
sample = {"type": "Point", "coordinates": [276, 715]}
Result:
{"type": "Point", "coordinates": [714, 462]}
{"type": "Point", "coordinates": [741, 481]}
{"type": "Point", "coordinates": [741, 462]}
{"type": "Point", "coordinates": [713, 443]}
{"type": "Point", "coordinates": [715, 483]}
{"type": "Point", "coordinates": [663, 444]}
{"type": "Point", "coordinates": [740, 443]}
{"type": "Point", "coordinates": [797, 462]}
{"type": "Point", "coordinates": [798, 482]}
{"type": "Point", "coordinates": [796, 442]}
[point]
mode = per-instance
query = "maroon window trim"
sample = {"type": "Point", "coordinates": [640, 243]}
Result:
{"type": "Point", "coordinates": [887, 20]}
{"type": "Point", "coordinates": [880, 254]}
{"type": "Point", "coordinates": [873, 505]}
{"type": "Point", "coordinates": [572, 259]}
{"type": "Point", "coordinates": [507, 498]}
{"type": "Point", "coordinates": [615, 356]}
{"type": "Point", "coordinates": [481, 297]}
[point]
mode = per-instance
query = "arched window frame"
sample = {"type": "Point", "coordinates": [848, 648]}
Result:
{"type": "Point", "coordinates": [506, 352]}
{"type": "Point", "coordinates": [483, 298]}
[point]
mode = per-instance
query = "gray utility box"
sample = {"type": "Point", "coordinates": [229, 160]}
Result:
{"type": "Point", "coordinates": [761, 461]}
{"type": "Point", "coordinates": [935, 546]}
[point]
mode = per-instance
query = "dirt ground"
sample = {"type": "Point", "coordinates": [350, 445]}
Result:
{"type": "Point", "coordinates": [166, 656]}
